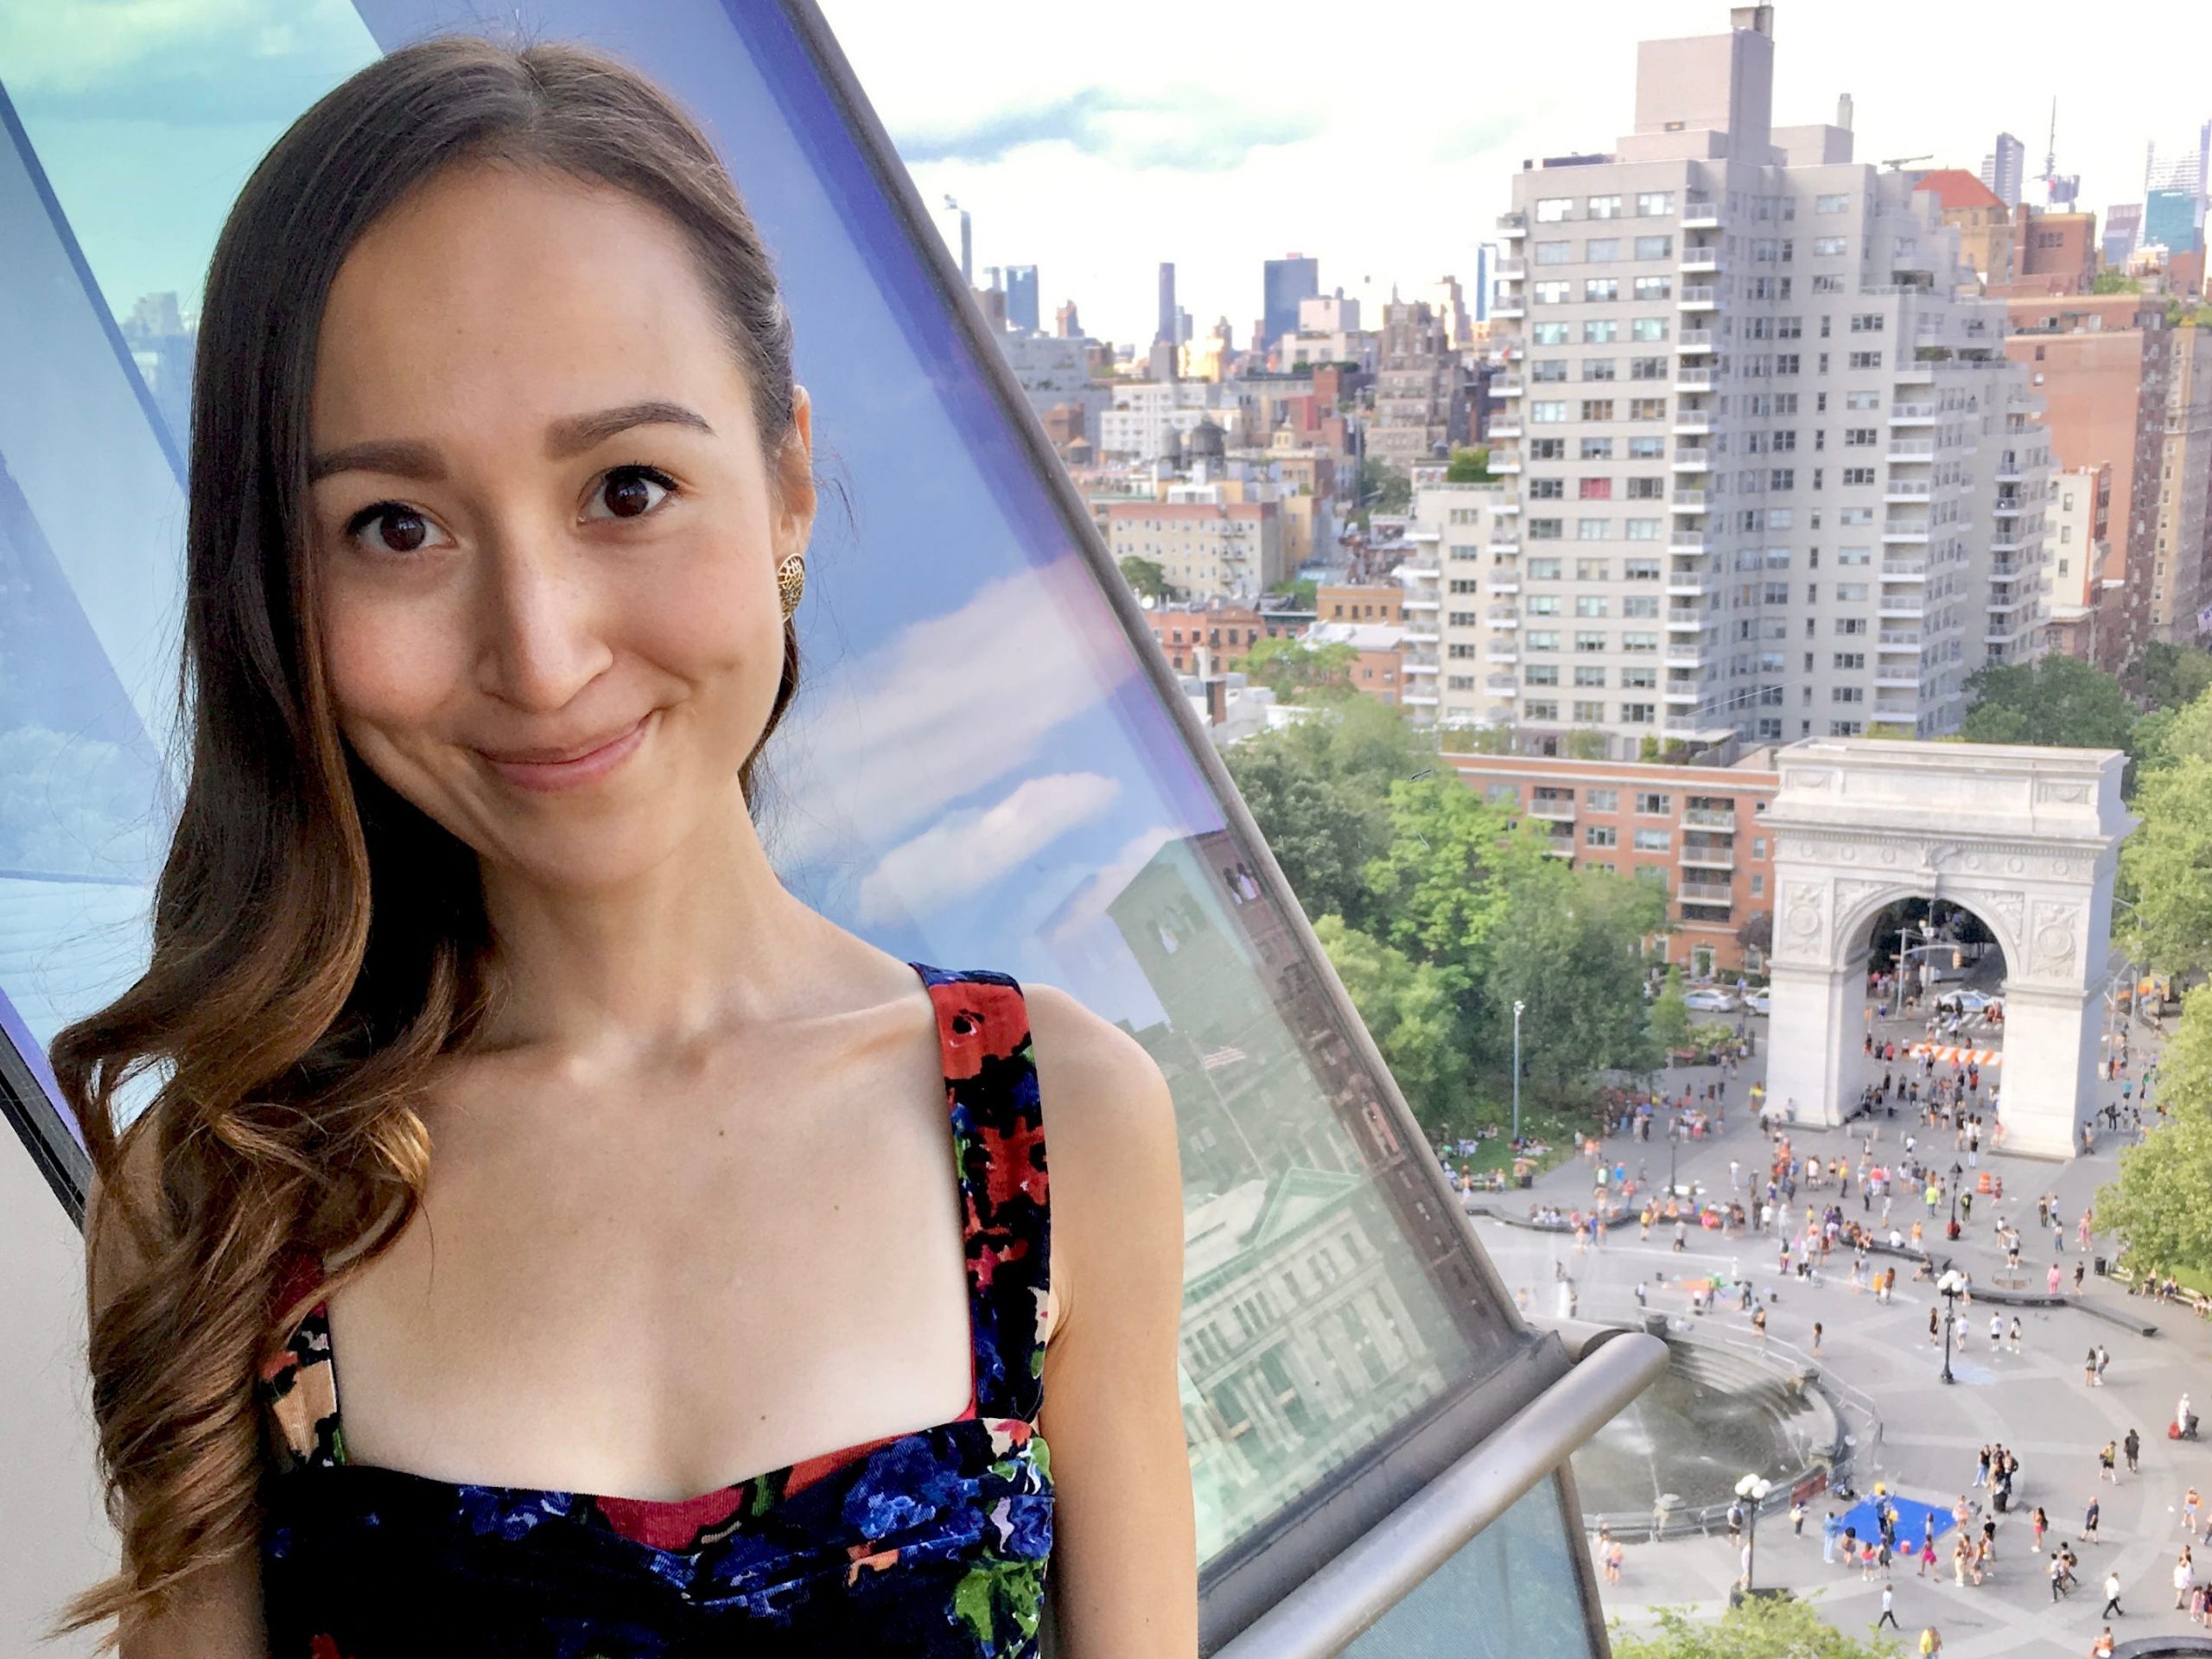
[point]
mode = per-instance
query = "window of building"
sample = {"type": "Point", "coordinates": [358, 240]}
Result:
{"type": "Point", "coordinates": [1655, 287]}
{"type": "Point", "coordinates": [1835, 204]}
{"type": "Point", "coordinates": [1601, 290]}
{"type": "Point", "coordinates": [1542, 409]}
{"type": "Point", "coordinates": [1548, 449]}
{"type": "Point", "coordinates": [1550, 293]}
{"type": "Point", "coordinates": [1866, 359]}
{"type": "Point", "coordinates": [1596, 448]}
{"type": "Point", "coordinates": [1634, 678]}
{"type": "Point", "coordinates": [1640, 570]}
{"type": "Point", "coordinates": [1552, 209]}
{"type": "Point", "coordinates": [1646, 448]}
{"type": "Point", "coordinates": [1600, 331]}
{"type": "Point", "coordinates": [1541, 674]}
{"type": "Point", "coordinates": [1647, 330]}
{"type": "Point", "coordinates": [1540, 708]}
{"type": "Point", "coordinates": [1595, 489]}
{"type": "Point", "coordinates": [1605, 207]}
{"type": "Point", "coordinates": [1586, 640]}
{"type": "Point", "coordinates": [1600, 835]}
{"type": "Point", "coordinates": [1554, 253]}
{"type": "Point", "coordinates": [1542, 639]}
{"type": "Point", "coordinates": [1545, 530]}
{"type": "Point", "coordinates": [1589, 714]}
{"type": "Point", "coordinates": [1647, 408]}
{"type": "Point", "coordinates": [1597, 409]}
{"type": "Point", "coordinates": [1549, 334]}
{"type": "Point", "coordinates": [1866, 323]}
{"type": "Point", "coordinates": [1652, 203]}
{"type": "Point", "coordinates": [1602, 249]}
{"type": "Point", "coordinates": [1590, 606]}
{"type": "Point", "coordinates": [1546, 489]}
{"type": "Point", "coordinates": [1601, 368]}
{"type": "Point", "coordinates": [1655, 247]}
{"type": "Point", "coordinates": [1649, 368]}
{"type": "Point", "coordinates": [1602, 800]}
{"type": "Point", "coordinates": [1593, 529]}
{"type": "Point", "coordinates": [1855, 475]}
{"type": "Point", "coordinates": [1830, 245]}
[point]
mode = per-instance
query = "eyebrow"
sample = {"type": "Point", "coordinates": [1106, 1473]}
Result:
{"type": "Point", "coordinates": [572, 435]}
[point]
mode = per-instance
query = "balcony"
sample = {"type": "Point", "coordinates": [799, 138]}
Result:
{"type": "Point", "coordinates": [1905, 531]}
{"type": "Point", "coordinates": [1694, 340]}
{"type": "Point", "coordinates": [1503, 651]}
{"type": "Point", "coordinates": [1684, 656]}
{"type": "Point", "coordinates": [2008, 541]}
{"type": "Point", "coordinates": [1508, 306]}
{"type": "Point", "coordinates": [2010, 508]}
{"type": "Point", "coordinates": [1689, 501]}
{"type": "Point", "coordinates": [1504, 584]}
{"type": "Point", "coordinates": [1916, 374]}
{"type": "Point", "coordinates": [1512, 269]}
{"type": "Point", "coordinates": [2008, 471]}
{"type": "Point", "coordinates": [1690, 726]}
{"type": "Point", "coordinates": [1699, 299]}
{"type": "Point", "coordinates": [1698, 259]}
{"type": "Point", "coordinates": [1689, 379]}
{"type": "Point", "coordinates": [1904, 569]}
{"type": "Point", "coordinates": [1896, 713]}
{"type": "Point", "coordinates": [1706, 818]}
{"type": "Point", "coordinates": [1701, 215]}
{"type": "Point", "coordinates": [1504, 616]}
{"type": "Point", "coordinates": [1912, 451]}
{"type": "Point", "coordinates": [1899, 605]}
{"type": "Point", "coordinates": [1897, 679]}
{"type": "Point", "coordinates": [1506, 465]}
{"type": "Point", "coordinates": [1505, 547]}
{"type": "Point", "coordinates": [1503, 684]}
{"type": "Point", "coordinates": [1898, 639]}
{"type": "Point", "coordinates": [1691, 694]}
{"type": "Point", "coordinates": [1705, 892]}
{"type": "Point", "coordinates": [1510, 385]}
{"type": "Point", "coordinates": [1511, 504]}
{"type": "Point", "coordinates": [1414, 699]}
{"type": "Point", "coordinates": [2005, 604]}
{"type": "Point", "coordinates": [1418, 636]}
{"type": "Point", "coordinates": [1555, 810]}
{"type": "Point", "coordinates": [1690, 585]}
{"type": "Point", "coordinates": [1708, 857]}
{"type": "Point", "coordinates": [1513, 223]}
{"type": "Point", "coordinates": [1686, 541]}
{"type": "Point", "coordinates": [2008, 570]}
{"type": "Point", "coordinates": [1692, 460]}
{"type": "Point", "coordinates": [1912, 415]}
{"type": "Point", "coordinates": [1510, 429]}
{"type": "Point", "coordinates": [1908, 489]}
{"type": "Point", "coordinates": [1687, 621]}
{"type": "Point", "coordinates": [1421, 601]}
{"type": "Point", "coordinates": [1411, 666]}
{"type": "Point", "coordinates": [1692, 422]}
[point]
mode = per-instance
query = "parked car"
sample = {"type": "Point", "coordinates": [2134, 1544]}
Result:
{"type": "Point", "coordinates": [1760, 1000]}
{"type": "Point", "coordinates": [1710, 1002]}
{"type": "Point", "coordinates": [1965, 1001]}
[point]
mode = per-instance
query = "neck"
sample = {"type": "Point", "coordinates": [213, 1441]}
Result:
{"type": "Point", "coordinates": [640, 971]}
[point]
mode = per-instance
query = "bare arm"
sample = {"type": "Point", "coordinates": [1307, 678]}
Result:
{"type": "Point", "coordinates": [217, 1616]}
{"type": "Point", "coordinates": [1125, 1550]}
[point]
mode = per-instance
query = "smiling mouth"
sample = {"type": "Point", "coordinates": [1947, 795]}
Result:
{"type": "Point", "coordinates": [555, 768]}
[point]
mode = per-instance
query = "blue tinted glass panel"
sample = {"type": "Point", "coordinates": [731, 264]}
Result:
{"type": "Point", "coordinates": [981, 769]}
{"type": "Point", "coordinates": [1512, 1591]}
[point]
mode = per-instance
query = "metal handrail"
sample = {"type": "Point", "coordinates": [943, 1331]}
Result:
{"type": "Point", "coordinates": [1330, 1610]}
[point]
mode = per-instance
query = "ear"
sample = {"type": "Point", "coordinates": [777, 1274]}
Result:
{"type": "Point", "coordinates": [795, 478]}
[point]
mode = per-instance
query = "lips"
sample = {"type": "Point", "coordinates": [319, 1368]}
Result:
{"type": "Point", "coordinates": [559, 767]}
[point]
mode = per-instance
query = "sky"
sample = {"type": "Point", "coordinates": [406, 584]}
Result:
{"type": "Point", "coordinates": [1382, 138]}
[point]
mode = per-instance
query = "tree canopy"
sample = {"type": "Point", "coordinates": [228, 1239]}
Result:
{"type": "Point", "coordinates": [2053, 701]}
{"type": "Point", "coordinates": [1469, 466]}
{"type": "Point", "coordinates": [2156, 1204]}
{"type": "Point", "coordinates": [1759, 1627]}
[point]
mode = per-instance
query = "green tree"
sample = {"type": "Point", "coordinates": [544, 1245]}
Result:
{"type": "Point", "coordinates": [2054, 701]}
{"type": "Point", "coordinates": [1298, 672]}
{"type": "Point", "coordinates": [2156, 1204]}
{"type": "Point", "coordinates": [2115, 282]}
{"type": "Point", "coordinates": [2170, 676]}
{"type": "Point", "coordinates": [1760, 1627]}
{"type": "Point", "coordinates": [1148, 578]}
{"type": "Point", "coordinates": [1670, 1013]}
{"type": "Point", "coordinates": [1383, 487]}
{"type": "Point", "coordinates": [1301, 590]}
{"type": "Point", "coordinates": [1566, 946]}
{"type": "Point", "coordinates": [1441, 885]}
{"type": "Point", "coordinates": [1321, 839]}
{"type": "Point", "coordinates": [1584, 743]}
{"type": "Point", "coordinates": [1415, 1011]}
{"type": "Point", "coordinates": [2166, 868]}
{"type": "Point", "coordinates": [1469, 466]}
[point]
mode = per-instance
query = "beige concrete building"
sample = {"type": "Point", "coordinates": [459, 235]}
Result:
{"type": "Point", "coordinates": [2078, 526]}
{"type": "Point", "coordinates": [1422, 388]}
{"type": "Point", "coordinates": [1225, 549]}
{"type": "Point", "coordinates": [2181, 582]}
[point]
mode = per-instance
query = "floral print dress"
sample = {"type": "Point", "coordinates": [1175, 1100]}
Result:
{"type": "Point", "coordinates": [930, 1543]}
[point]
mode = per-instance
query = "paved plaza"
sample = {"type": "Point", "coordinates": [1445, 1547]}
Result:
{"type": "Point", "coordinates": [2036, 1402]}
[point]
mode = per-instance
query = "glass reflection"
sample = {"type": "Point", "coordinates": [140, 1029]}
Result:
{"type": "Point", "coordinates": [977, 772]}
{"type": "Point", "coordinates": [1511, 1590]}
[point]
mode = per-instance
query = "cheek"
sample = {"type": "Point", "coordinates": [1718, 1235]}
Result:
{"type": "Point", "coordinates": [390, 667]}
{"type": "Point", "coordinates": [710, 618]}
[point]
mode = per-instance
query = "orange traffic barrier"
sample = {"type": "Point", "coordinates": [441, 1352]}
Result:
{"type": "Point", "coordinates": [1982, 1185]}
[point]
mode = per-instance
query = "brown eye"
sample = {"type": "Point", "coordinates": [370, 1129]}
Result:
{"type": "Point", "coordinates": [392, 528]}
{"type": "Point", "coordinates": [631, 492]}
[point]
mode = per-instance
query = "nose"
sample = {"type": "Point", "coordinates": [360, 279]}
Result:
{"type": "Point", "coordinates": [541, 622]}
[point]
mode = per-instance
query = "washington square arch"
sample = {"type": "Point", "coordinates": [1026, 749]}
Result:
{"type": "Point", "coordinates": [2024, 839]}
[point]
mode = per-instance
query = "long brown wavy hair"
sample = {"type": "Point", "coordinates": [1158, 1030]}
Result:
{"type": "Point", "coordinates": [318, 944]}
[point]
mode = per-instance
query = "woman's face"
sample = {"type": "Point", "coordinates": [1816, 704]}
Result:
{"type": "Point", "coordinates": [545, 532]}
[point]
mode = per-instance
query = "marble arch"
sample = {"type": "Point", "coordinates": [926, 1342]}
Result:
{"type": "Point", "coordinates": [2025, 838]}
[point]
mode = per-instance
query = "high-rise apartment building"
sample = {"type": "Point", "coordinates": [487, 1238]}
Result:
{"type": "Point", "coordinates": [2123, 231]}
{"type": "Point", "coordinates": [2102, 365]}
{"type": "Point", "coordinates": [1776, 479]}
{"type": "Point", "coordinates": [1422, 391]}
{"type": "Point", "coordinates": [1021, 297]}
{"type": "Point", "coordinates": [1170, 326]}
{"type": "Point", "coordinates": [2076, 531]}
{"type": "Point", "coordinates": [2004, 169]}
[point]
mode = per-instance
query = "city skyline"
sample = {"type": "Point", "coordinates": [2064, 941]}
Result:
{"type": "Point", "coordinates": [1057, 149]}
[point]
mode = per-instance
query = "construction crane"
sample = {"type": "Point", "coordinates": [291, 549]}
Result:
{"type": "Point", "coordinates": [1905, 161]}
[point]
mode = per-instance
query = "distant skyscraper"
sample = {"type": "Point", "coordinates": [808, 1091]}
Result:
{"type": "Point", "coordinates": [1288, 280]}
{"type": "Point", "coordinates": [1021, 297]}
{"type": "Point", "coordinates": [1485, 268]}
{"type": "Point", "coordinates": [2172, 218]}
{"type": "Point", "coordinates": [2182, 171]}
{"type": "Point", "coordinates": [1166, 328]}
{"type": "Point", "coordinates": [2005, 171]}
{"type": "Point", "coordinates": [952, 224]}
{"type": "Point", "coordinates": [2123, 230]}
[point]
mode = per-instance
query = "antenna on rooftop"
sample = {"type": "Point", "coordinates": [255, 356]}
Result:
{"type": "Point", "coordinates": [1905, 161]}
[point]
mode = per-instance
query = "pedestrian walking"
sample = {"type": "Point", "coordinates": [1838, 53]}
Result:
{"type": "Point", "coordinates": [1931, 1642]}
{"type": "Point", "coordinates": [2132, 1446]}
{"type": "Point", "coordinates": [1889, 1609]}
{"type": "Point", "coordinates": [2089, 1521]}
{"type": "Point", "coordinates": [2088, 1360]}
{"type": "Point", "coordinates": [2013, 1340]}
{"type": "Point", "coordinates": [2041, 1523]}
{"type": "Point", "coordinates": [2104, 1358]}
{"type": "Point", "coordinates": [2112, 1608]}
{"type": "Point", "coordinates": [2105, 1460]}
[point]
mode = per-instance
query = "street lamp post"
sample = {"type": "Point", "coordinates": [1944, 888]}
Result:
{"type": "Point", "coordinates": [1517, 1007]}
{"type": "Point", "coordinates": [1951, 1288]}
{"type": "Point", "coordinates": [1953, 1232]}
{"type": "Point", "coordinates": [1753, 1490]}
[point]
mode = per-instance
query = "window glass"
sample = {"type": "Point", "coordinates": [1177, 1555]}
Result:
{"type": "Point", "coordinates": [1017, 690]}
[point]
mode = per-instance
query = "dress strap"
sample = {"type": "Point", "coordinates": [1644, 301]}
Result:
{"type": "Point", "coordinates": [998, 1132]}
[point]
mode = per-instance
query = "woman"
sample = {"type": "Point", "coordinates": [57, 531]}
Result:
{"type": "Point", "coordinates": [501, 490]}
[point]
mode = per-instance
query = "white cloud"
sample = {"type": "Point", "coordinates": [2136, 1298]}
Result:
{"type": "Point", "coordinates": [965, 852]}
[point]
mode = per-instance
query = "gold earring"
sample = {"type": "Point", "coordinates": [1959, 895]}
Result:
{"type": "Point", "coordinates": [790, 581]}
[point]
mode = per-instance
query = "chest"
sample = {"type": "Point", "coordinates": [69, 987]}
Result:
{"type": "Point", "coordinates": [661, 1288]}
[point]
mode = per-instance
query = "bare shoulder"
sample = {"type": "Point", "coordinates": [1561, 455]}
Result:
{"type": "Point", "coordinates": [1110, 1128]}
